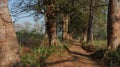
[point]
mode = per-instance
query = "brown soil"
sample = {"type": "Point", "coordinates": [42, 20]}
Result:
{"type": "Point", "coordinates": [75, 56]}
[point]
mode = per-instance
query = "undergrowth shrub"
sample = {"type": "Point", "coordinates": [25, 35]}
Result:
{"type": "Point", "coordinates": [113, 59]}
{"type": "Point", "coordinates": [31, 39]}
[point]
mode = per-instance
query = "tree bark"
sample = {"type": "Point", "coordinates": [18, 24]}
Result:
{"type": "Point", "coordinates": [51, 31]}
{"type": "Point", "coordinates": [51, 24]}
{"type": "Point", "coordinates": [65, 26]}
{"type": "Point", "coordinates": [9, 55]}
{"type": "Point", "coordinates": [113, 24]}
{"type": "Point", "coordinates": [90, 24]}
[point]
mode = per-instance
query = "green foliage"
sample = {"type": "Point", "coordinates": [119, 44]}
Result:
{"type": "Point", "coordinates": [113, 58]}
{"type": "Point", "coordinates": [100, 24]}
{"type": "Point", "coordinates": [78, 23]}
{"type": "Point", "coordinates": [64, 6]}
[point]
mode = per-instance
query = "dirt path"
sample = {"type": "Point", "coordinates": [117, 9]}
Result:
{"type": "Point", "coordinates": [75, 57]}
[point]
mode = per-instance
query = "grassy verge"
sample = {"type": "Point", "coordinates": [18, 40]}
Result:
{"type": "Point", "coordinates": [36, 57]}
{"type": "Point", "coordinates": [112, 59]}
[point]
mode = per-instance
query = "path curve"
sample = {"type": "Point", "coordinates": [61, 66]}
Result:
{"type": "Point", "coordinates": [75, 57]}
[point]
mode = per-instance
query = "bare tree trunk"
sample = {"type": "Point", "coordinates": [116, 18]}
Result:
{"type": "Point", "coordinates": [51, 24]}
{"type": "Point", "coordinates": [51, 31]}
{"type": "Point", "coordinates": [113, 24]}
{"type": "Point", "coordinates": [90, 24]}
{"type": "Point", "coordinates": [65, 26]}
{"type": "Point", "coordinates": [9, 56]}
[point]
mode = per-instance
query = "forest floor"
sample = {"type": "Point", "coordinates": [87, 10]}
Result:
{"type": "Point", "coordinates": [74, 56]}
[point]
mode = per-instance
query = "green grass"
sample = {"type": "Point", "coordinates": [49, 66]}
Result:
{"type": "Point", "coordinates": [100, 44]}
{"type": "Point", "coordinates": [40, 54]}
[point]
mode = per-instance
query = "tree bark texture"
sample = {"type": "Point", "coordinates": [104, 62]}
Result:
{"type": "Point", "coordinates": [113, 24]}
{"type": "Point", "coordinates": [51, 23]}
{"type": "Point", "coordinates": [9, 55]}
{"type": "Point", "coordinates": [90, 23]}
{"type": "Point", "coordinates": [65, 26]}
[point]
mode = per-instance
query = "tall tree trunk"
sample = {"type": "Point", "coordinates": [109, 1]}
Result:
{"type": "Point", "coordinates": [90, 24]}
{"type": "Point", "coordinates": [51, 31]}
{"type": "Point", "coordinates": [8, 42]}
{"type": "Point", "coordinates": [51, 24]}
{"type": "Point", "coordinates": [113, 24]}
{"type": "Point", "coordinates": [65, 26]}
